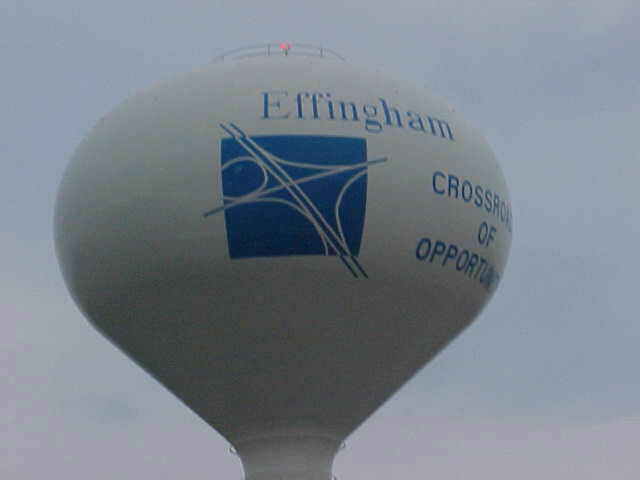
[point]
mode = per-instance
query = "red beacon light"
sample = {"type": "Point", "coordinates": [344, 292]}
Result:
{"type": "Point", "coordinates": [285, 47]}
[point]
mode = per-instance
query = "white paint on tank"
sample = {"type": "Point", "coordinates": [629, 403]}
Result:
{"type": "Point", "coordinates": [282, 242]}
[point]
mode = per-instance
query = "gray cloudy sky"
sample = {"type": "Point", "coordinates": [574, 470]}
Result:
{"type": "Point", "coordinates": [544, 385]}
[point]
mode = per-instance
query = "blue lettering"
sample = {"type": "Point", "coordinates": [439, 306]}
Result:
{"type": "Point", "coordinates": [420, 253]}
{"type": "Point", "coordinates": [465, 197]}
{"type": "Point", "coordinates": [452, 252]}
{"type": "Point", "coordinates": [438, 249]}
{"type": "Point", "coordinates": [354, 112]}
{"type": "Point", "coordinates": [268, 103]}
{"type": "Point", "coordinates": [441, 124]}
{"type": "Point", "coordinates": [314, 104]}
{"type": "Point", "coordinates": [486, 234]}
{"type": "Point", "coordinates": [460, 267]}
{"type": "Point", "coordinates": [435, 188]}
{"type": "Point", "coordinates": [299, 102]}
{"type": "Point", "coordinates": [370, 124]}
{"type": "Point", "coordinates": [487, 197]}
{"type": "Point", "coordinates": [495, 278]}
{"type": "Point", "coordinates": [273, 106]}
{"type": "Point", "coordinates": [482, 267]}
{"type": "Point", "coordinates": [415, 121]}
{"type": "Point", "coordinates": [330, 105]}
{"type": "Point", "coordinates": [453, 185]}
{"type": "Point", "coordinates": [466, 262]}
{"type": "Point", "coordinates": [478, 191]}
{"type": "Point", "coordinates": [491, 237]}
{"type": "Point", "coordinates": [471, 265]}
{"type": "Point", "coordinates": [483, 198]}
{"type": "Point", "coordinates": [485, 277]}
{"type": "Point", "coordinates": [387, 113]}
{"type": "Point", "coordinates": [482, 233]}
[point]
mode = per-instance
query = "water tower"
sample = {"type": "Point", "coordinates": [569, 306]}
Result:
{"type": "Point", "coordinates": [282, 240]}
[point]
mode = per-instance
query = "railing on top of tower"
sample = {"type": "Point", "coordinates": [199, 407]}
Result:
{"type": "Point", "coordinates": [280, 50]}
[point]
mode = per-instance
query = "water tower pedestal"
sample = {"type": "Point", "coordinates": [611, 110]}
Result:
{"type": "Point", "coordinates": [288, 457]}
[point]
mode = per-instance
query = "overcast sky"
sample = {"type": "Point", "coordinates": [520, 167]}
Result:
{"type": "Point", "coordinates": [545, 384]}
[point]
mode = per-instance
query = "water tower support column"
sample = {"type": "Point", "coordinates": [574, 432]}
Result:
{"type": "Point", "coordinates": [288, 457]}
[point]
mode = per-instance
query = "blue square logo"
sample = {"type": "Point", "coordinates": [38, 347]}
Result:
{"type": "Point", "coordinates": [294, 195]}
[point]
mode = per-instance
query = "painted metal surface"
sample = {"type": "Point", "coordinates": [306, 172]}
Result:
{"type": "Point", "coordinates": [282, 242]}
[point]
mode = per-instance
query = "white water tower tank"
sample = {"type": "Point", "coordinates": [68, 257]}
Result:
{"type": "Point", "coordinates": [282, 240]}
